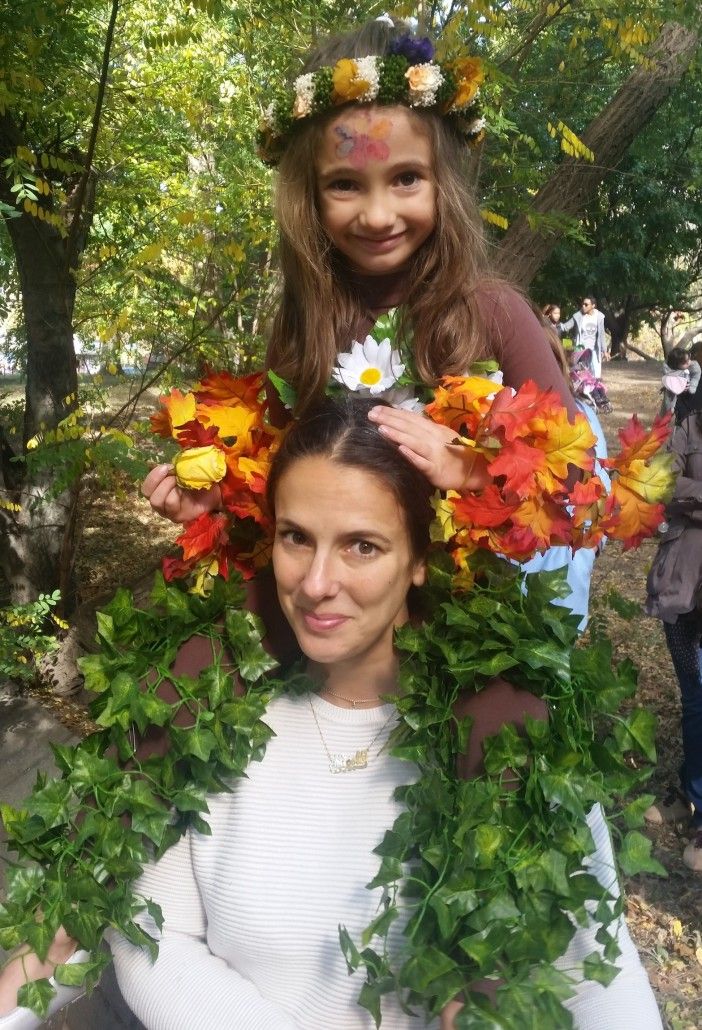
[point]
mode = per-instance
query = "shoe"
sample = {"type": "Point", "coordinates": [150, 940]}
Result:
{"type": "Point", "coordinates": [674, 808]}
{"type": "Point", "coordinates": [692, 855]}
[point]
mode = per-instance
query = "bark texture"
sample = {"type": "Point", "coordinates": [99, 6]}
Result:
{"type": "Point", "coordinates": [524, 250]}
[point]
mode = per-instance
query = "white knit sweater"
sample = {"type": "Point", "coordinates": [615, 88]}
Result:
{"type": "Point", "coordinates": [250, 940]}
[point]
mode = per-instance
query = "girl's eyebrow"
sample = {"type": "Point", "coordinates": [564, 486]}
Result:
{"type": "Point", "coordinates": [338, 171]}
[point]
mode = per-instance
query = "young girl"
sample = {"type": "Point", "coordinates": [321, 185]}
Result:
{"type": "Point", "coordinates": [375, 212]}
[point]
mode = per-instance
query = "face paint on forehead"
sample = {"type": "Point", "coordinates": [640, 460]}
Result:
{"type": "Point", "coordinates": [362, 138]}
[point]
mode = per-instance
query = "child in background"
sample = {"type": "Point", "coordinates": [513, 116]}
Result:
{"type": "Point", "coordinates": [677, 378]}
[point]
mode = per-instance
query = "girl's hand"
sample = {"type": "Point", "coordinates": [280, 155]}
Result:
{"type": "Point", "coordinates": [25, 965]}
{"type": "Point", "coordinates": [428, 446]}
{"type": "Point", "coordinates": [175, 503]}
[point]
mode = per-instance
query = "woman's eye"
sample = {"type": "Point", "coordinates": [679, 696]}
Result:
{"type": "Point", "coordinates": [294, 537]}
{"type": "Point", "coordinates": [365, 548]}
{"type": "Point", "coordinates": [408, 179]}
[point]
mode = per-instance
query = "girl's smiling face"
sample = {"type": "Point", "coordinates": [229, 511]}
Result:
{"type": "Point", "coordinates": [343, 564]}
{"type": "Point", "coordinates": [375, 183]}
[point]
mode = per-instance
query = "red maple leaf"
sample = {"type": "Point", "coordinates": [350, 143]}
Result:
{"type": "Point", "coordinates": [204, 535]}
{"type": "Point", "coordinates": [486, 509]}
{"type": "Point", "coordinates": [637, 442]}
{"type": "Point", "coordinates": [194, 434]}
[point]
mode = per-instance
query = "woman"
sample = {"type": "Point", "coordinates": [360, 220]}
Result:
{"type": "Point", "coordinates": [673, 586]}
{"type": "Point", "coordinates": [253, 910]}
{"type": "Point", "coordinates": [291, 849]}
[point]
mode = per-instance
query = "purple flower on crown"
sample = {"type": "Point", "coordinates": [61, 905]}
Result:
{"type": "Point", "coordinates": [417, 51]}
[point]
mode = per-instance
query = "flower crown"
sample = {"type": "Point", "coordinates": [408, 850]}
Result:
{"type": "Point", "coordinates": [407, 75]}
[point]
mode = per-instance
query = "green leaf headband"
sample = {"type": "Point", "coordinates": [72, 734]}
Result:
{"type": "Point", "coordinates": [408, 75]}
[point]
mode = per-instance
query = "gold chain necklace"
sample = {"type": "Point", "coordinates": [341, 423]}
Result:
{"type": "Point", "coordinates": [347, 763]}
{"type": "Point", "coordinates": [353, 701]}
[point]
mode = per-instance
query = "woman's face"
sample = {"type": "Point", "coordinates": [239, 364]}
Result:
{"type": "Point", "coordinates": [343, 563]}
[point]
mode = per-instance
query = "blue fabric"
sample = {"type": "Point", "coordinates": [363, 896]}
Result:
{"type": "Point", "coordinates": [580, 564]}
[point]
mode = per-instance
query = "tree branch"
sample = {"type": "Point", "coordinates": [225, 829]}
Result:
{"type": "Point", "coordinates": [74, 234]}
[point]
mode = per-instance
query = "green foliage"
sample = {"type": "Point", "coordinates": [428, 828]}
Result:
{"type": "Point", "coordinates": [487, 871]}
{"type": "Point", "coordinates": [24, 636]}
{"type": "Point", "coordinates": [492, 866]}
{"type": "Point", "coordinates": [88, 833]}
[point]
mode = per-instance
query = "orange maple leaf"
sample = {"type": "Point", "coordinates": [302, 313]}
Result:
{"type": "Point", "coordinates": [629, 518]}
{"type": "Point", "coordinates": [545, 519]}
{"type": "Point", "coordinates": [636, 442]}
{"type": "Point", "coordinates": [462, 401]}
{"type": "Point", "coordinates": [176, 409]}
{"type": "Point", "coordinates": [224, 388]}
{"type": "Point", "coordinates": [587, 500]}
{"type": "Point", "coordinates": [565, 443]}
{"type": "Point", "coordinates": [518, 462]}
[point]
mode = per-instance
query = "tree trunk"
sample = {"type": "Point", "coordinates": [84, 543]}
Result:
{"type": "Point", "coordinates": [524, 250]}
{"type": "Point", "coordinates": [39, 539]}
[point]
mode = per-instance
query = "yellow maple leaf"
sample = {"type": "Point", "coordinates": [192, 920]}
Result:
{"type": "Point", "coordinates": [651, 480]}
{"type": "Point", "coordinates": [564, 443]}
{"type": "Point", "coordinates": [233, 422]}
{"type": "Point", "coordinates": [443, 527]}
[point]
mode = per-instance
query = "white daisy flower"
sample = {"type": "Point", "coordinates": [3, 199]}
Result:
{"type": "Point", "coordinates": [369, 366]}
{"type": "Point", "coordinates": [476, 127]}
{"type": "Point", "coordinates": [304, 95]}
{"type": "Point", "coordinates": [367, 70]}
{"type": "Point", "coordinates": [402, 397]}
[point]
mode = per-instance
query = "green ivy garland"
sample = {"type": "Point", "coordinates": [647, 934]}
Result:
{"type": "Point", "coordinates": [488, 871]}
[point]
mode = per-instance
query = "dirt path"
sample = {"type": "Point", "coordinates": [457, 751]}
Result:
{"type": "Point", "coordinates": [664, 914]}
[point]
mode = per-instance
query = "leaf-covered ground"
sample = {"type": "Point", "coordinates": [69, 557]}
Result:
{"type": "Point", "coordinates": [124, 542]}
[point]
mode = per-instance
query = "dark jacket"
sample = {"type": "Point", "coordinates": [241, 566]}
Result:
{"type": "Point", "coordinates": [674, 583]}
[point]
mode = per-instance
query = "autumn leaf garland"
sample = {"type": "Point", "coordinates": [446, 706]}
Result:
{"type": "Point", "coordinates": [525, 436]}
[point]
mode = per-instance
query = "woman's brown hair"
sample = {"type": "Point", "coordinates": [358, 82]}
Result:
{"type": "Point", "coordinates": [321, 309]}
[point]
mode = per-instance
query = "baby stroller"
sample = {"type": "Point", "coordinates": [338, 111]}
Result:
{"type": "Point", "coordinates": [585, 385]}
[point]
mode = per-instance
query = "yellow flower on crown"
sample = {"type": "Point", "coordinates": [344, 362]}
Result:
{"type": "Point", "coordinates": [347, 85]}
{"type": "Point", "coordinates": [469, 74]}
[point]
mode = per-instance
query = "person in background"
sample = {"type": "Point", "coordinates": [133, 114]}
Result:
{"type": "Point", "coordinates": [690, 400]}
{"type": "Point", "coordinates": [677, 378]}
{"type": "Point", "coordinates": [674, 588]}
{"type": "Point", "coordinates": [588, 328]}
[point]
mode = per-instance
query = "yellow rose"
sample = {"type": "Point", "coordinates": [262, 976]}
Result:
{"type": "Point", "coordinates": [418, 76]}
{"type": "Point", "coordinates": [199, 467]}
{"type": "Point", "coordinates": [347, 85]}
{"type": "Point", "coordinates": [469, 74]}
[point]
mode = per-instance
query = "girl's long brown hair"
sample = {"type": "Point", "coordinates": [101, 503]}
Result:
{"type": "Point", "coordinates": [321, 310]}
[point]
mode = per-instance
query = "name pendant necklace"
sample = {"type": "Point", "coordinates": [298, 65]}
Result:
{"type": "Point", "coordinates": [339, 763]}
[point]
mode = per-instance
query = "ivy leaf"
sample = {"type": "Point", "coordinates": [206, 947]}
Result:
{"type": "Point", "coordinates": [286, 392]}
{"type": "Point", "coordinates": [639, 727]}
{"type": "Point", "coordinates": [349, 950]}
{"type": "Point", "coordinates": [595, 968]}
{"type": "Point", "coordinates": [72, 974]}
{"type": "Point", "coordinates": [633, 813]}
{"type": "Point", "coordinates": [380, 925]}
{"type": "Point", "coordinates": [36, 995]}
{"type": "Point", "coordinates": [635, 855]}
